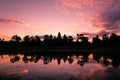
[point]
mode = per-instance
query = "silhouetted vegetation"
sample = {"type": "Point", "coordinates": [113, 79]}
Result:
{"type": "Point", "coordinates": [62, 49]}
{"type": "Point", "coordinates": [64, 42]}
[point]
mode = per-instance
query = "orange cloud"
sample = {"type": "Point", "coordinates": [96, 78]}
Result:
{"type": "Point", "coordinates": [14, 22]}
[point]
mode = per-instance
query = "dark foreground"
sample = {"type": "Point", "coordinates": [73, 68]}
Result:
{"type": "Point", "coordinates": [38, 49]}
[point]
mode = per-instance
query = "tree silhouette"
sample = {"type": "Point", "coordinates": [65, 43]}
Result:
{"type": "Point", "coordinates": [113, 39]}
{"type": "Point", "coordinates": [80, 37]}
{"type": "Point", "coordinates": [26, 38]}
{"type": "Point", "coordinates": [46, 37]}
{"type": "Point", "coordinates": [37, 39]}
{"type": "Point", "coordinates": [85, 39]}
{"type": "Point", "coordinates": [16, 38]}
{"type": "Point", "coordinates": [70, 39]}
{"type": "Point", "coordinates": [63, 41]}
{"type": "Point", "coordinates": [113, 36]}
{"type": "Point", "coordinates": [105, 37]}
{"type": "Point", "coordinates": [96, 41]}
{"type": "Point", "coordinates": [32, 39]}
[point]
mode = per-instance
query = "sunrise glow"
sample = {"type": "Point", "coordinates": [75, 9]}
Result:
{"type": "Point", "coordinates": [40, 17]}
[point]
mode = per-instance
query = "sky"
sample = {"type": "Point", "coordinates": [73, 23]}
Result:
{"type": "Point", "coordinates": [40, 17]}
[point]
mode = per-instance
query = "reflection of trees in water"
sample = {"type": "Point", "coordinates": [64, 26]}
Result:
{"type": "Point", "coordinates": [108, 59]}
{"type": "Point", "coordinates": [116, 61]}
{"type": "Point", "coordinates": [113, 60]}
{"type": "Point", "coordinates": [14, 58]}
{"type": "Point", "coordinates": [83, 59]}
{"type": "Point", "coordinates": [46, 60]}
{"type": "Point", "coordinates": [31, 58]}
{"type": "Point", "coordinates": [97, 57]}
{"type": "Point", "coordinates": [25, 59]}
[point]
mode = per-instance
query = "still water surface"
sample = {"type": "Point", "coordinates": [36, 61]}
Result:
{"type": "Point", "coordinates": [59, 67]}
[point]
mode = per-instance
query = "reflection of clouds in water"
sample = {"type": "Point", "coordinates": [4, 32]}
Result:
{"type": "Point", "coordinates": [96, 71]}
{"type": "Point", "coordinates": [90, 72]}
{"type": "Point", "coordinates": [65, 71]}
{"type": "Point", "coordinates": [14, 72]}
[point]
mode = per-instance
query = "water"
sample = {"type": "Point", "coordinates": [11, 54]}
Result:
{"type": "Point", "coordinates": [59, 66]}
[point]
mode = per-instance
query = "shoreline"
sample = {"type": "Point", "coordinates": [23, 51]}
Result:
{"type": "Point", "coordinates": [33, 49]}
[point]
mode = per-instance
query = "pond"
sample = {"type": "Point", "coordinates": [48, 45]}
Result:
{"type": "Point", "coordinates": [59, 66]}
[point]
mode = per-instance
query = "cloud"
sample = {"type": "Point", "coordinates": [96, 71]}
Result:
{"type": "Point", "coordinates": [75, 3]}
{"type": "Point", "coordinates": [94, 72]}
{"type": "Point", "coordinates": [109, 19]}
{"type": "Point", "coordinates": [86, 8]}
{"type": "Point", "coordinates": [100, 33]}
{"type": "Point", "coordinates": [15, 72]}
{"type": "Point", "coordinates": [103, 14]}
{"type": "Point", "coordinates": [69, 6]}
{"type": "Point", "coordinates": [14, 22]}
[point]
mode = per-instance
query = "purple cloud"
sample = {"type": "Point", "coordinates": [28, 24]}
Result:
{"type": "Point", "coordinates": [14, 22]}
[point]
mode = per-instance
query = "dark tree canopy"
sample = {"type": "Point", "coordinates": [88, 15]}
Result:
{"type": "Point", "coordinates": [16, 38]}
{"type": "Point", "coordinates": [59, 40]}
{"type": "Point", "coordinates": [96, 40]}
{"type": "Point", "coordinates": [70, 39]}
{"type": "Point", "coordinates": [26, 38]}
{"type": "Point", "coordinates": [46, 37]}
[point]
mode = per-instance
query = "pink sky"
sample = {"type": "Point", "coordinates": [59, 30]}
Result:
{"type": "Point", "coordinates": [40, 17]}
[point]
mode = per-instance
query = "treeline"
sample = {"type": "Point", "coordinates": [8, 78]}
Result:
{"type": "Point", "coordinates": [50, 40]}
